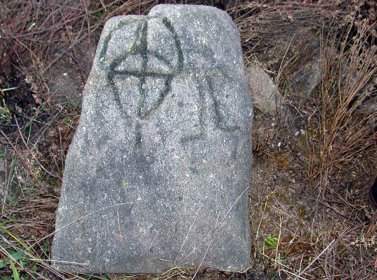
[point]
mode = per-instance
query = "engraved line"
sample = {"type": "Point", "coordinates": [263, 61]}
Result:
{"type": "Point", "coordinates": [143, 53]}
{"type": "Point", "coordinates": [169, 26]}
{"type": "Point", "coordinates": [201, 115]}
{"type": "Point", "coordinates": [110, 35]}
{"type": "Point", "coordinates": [136, 46]}
{"type": "Point", "coordinates": [140, 74]}
{"type": "Point", "coordinates": [219, 119]}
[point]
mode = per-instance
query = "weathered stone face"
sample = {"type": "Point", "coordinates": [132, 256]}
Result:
{"type": "Point", "coordinates": [157, 175]}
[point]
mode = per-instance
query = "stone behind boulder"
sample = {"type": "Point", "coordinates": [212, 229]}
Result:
{"type": "Point", "coordinates": [158, 173]}
{"type": "Point", "coordinates": [266, 96]}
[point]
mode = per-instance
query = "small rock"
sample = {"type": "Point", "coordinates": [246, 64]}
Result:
{"type": "Point", "coordinates": [265, 94]}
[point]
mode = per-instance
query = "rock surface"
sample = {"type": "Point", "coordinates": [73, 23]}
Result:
{"type": "Point", "coordinates": [265, 95]}
{"type": "Point", "coordinates": [158, 173]}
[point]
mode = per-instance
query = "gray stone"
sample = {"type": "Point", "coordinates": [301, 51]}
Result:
{"type": "Point", "coordinates": [266, 96]}
{"type": "Point", "coordinates": [158, 173]}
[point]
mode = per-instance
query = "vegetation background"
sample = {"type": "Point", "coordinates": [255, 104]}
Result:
{"type": "Point", "coordinates": [314, 157]}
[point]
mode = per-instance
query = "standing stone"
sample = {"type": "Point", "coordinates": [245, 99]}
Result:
{"type": "Point", "coordinates": [158, 172]}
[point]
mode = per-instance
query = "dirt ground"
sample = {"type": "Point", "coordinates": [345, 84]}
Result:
{"type": "Point", "coordinates": [310, 213]}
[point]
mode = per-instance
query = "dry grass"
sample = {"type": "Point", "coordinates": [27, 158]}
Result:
{"type": "Point", "coordinates": [309, 212]}
{"type": "Point", "coordinates": [346, 132]}
{"type": "Point", "coordinates": [314, 220]}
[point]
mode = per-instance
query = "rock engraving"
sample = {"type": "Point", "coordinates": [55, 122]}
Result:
{"type": "Point", "coordinates": [139, 49]}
